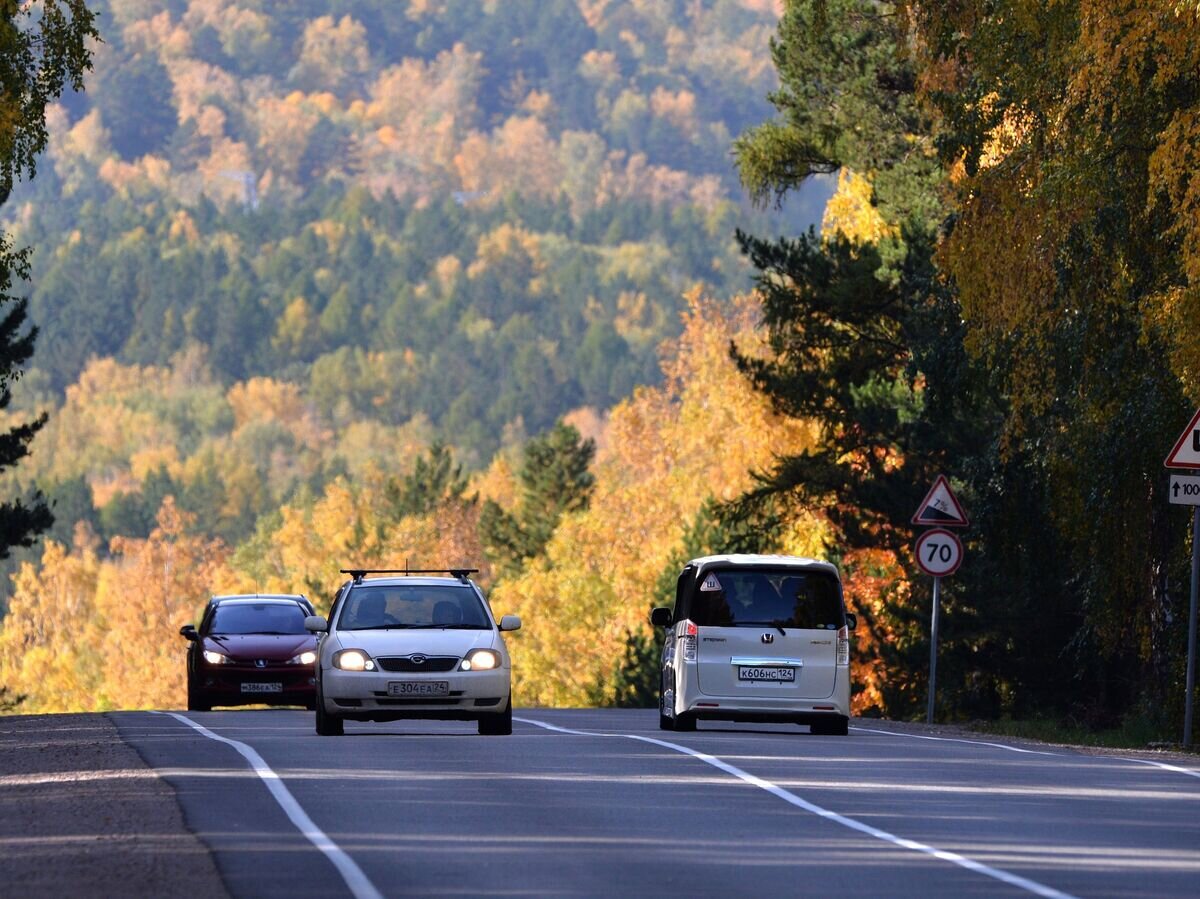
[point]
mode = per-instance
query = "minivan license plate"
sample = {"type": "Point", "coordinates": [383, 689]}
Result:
{"type": "Point", "coordinates": [783, 675]}
{"type": "Point", "coordinates": [419, 688]}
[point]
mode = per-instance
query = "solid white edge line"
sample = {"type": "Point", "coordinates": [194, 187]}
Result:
{"type": "Point", "coordinates": [1177, 769]}
{"type": "Point", "coordinates": [892, 733]}
{"type": "Point", "coordinates": [358, 882]}
{"type": "Point", "coordinates": [791, 798]}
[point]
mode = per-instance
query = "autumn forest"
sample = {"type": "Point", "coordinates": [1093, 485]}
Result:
{"type": "Point", "coordinates": [572, 291]}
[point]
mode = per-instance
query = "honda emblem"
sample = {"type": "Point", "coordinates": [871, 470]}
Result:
{"type": "Point", "coordinates": [768, 638]}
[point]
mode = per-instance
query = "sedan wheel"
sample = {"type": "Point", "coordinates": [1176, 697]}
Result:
{"type": "Point", "coordinates": [328, 725]}
{"type": "Point", "coordinates": [497, 725]}
{"type": "Point", "coordinates": [197, 702]}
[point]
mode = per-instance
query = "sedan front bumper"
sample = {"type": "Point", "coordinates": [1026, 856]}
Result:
{"type": "Point", "coordinates": [387, 694]}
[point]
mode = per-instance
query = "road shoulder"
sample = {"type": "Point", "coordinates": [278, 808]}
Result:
{"type": "Point", "coordinates": [81, 814]}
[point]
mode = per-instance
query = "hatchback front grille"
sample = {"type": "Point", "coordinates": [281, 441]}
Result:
{"type": "Point", "coordinates": [410, 663]}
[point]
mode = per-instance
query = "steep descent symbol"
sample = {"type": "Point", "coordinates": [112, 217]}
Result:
{"type": "Point", "coordinates": [1186, 453]}
{"type": "Point", "coordinates": [941, 507]}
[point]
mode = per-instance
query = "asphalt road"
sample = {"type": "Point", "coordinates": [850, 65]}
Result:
{"type": "Point", "coordinates": [432, 809]}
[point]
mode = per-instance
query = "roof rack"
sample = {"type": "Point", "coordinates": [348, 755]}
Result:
{"type": "Point", "coordinates": [358, 573]}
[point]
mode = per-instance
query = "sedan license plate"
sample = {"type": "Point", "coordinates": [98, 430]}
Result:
{"type": "Point", "coordinates": [262, 688]}
{"type": "Point", "coordinates": [419, 688]}
{"type": "Point", "coordinates": [780, 675]}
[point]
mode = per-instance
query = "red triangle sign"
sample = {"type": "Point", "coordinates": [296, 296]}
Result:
{"type": "Point", "coordinates": [1186, 453]}
{"type": "Point", "coordinates": [941, 507]}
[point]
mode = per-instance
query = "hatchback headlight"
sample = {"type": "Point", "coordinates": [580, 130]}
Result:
{"type": "Point", "coordinates": [305, 658]}
{"type": "Point", "coordinates": [215, 658]}
{"type": "Point", "coordinates": [353, 660]}
{"type": "Point", "coordinates": [480, 660]}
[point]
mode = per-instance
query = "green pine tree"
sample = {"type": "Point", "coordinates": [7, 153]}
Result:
{"type": "Point", "coordinates": [555, 481]}
{"type": "Point", "coordinates": [435, 481]}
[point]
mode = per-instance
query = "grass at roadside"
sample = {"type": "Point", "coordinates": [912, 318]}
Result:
{"type": "Point", "coordinates": [1135, 733]}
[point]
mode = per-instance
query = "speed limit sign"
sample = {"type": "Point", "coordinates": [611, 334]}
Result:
{"type": "Point", "coordinates": [939, 552]}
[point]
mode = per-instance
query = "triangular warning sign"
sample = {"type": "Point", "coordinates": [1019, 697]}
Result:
{"type": "Point", "coordinates": [1186, 453]}
{"type": "Point", "coordinates": [941, 507]}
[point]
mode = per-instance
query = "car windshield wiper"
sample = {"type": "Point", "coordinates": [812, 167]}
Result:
{"type": "Point", "coordinates": [777, 624]}
{"type": "Point", "coordinates": [448, 627]}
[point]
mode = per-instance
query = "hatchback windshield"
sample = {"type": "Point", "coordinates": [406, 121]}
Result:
{"type": "Point", "coordinates": [412, 605]}
{"type": "Point", "coordinates": [747, 598]}
{"type": "Point", "coordinates": [258, 618]}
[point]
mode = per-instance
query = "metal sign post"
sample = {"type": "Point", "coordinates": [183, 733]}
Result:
{"type": "Point", "coordinates": [933, 641]}
{"type": "Point", "coordinates": [1190, 680]}
{"type": "Point", "coordinates": [939, 553]}
{"type": "Point", "coordinates": [1186, 491]}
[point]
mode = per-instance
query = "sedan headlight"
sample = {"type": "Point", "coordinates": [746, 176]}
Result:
{"type": "Point", "coordinates": [480, 660]}
{"type": "Point", "coordinates": [353, 660]}
{"type": "Point", "coordinates": [305, 658]}
{"type": "Point", "coordinates": [215, 658]}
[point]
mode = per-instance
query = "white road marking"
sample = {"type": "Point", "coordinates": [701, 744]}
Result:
{"type": "Point", "coordinates": [1190, 772]}
{"type": "Point", "coordinates": [871, 730]}
{"type": "Point", "coordinates": [360, 886]}
{"type": "Point", "coordinates": [1178, 770]}
{"type": "Point", "coordinates": [1015, 880]}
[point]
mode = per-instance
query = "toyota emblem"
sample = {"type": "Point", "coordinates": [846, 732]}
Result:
{"type": "Point", "coordinates": [768, 638]}
{"type": "Point", "coordinates": [417, 659]}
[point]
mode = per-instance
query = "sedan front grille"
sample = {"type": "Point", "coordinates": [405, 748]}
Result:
{"type": "Point", "coordinates": [440, 700]}
{"type": "Point", "coordinates": [410, 663]}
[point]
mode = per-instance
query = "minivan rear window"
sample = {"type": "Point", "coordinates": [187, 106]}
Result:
{"type": "Point", "coordinates": [756, 597]}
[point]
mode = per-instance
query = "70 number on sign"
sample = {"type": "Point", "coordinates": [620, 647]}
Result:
{"type": "Point", "coordinates": [939, 552]}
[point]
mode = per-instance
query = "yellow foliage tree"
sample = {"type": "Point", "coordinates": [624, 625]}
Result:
{"type": "Point", "coordinates": [148, 591]}
{"type": "Point", "coordinates": [47, 650]}
{"type": "Point", "coordinates": [88, 634]}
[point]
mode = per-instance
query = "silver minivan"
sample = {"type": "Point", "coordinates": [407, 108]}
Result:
{"type": "Point", "coordinates": [756, 638]}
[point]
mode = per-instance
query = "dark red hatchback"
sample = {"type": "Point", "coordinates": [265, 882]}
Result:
{"type": "Point", "coordinates": [251, 650]}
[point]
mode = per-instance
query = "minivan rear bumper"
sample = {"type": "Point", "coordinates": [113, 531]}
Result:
{"type": "Point", "coordinates": [744, 708]}
{"type": "Point", "coordinates": [766, 717]}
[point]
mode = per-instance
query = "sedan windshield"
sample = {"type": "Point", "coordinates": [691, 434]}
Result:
{"type": "Point", "coordinates": [371, 607]}
{"type": "Point", "coordinates": [753, 598]}
{"type": "Point", "coordinates": [258, 618]}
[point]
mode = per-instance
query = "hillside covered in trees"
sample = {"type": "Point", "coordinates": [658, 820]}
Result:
{"type": "Point", "coordinates": [413, 219]}
{"type": "Point", "coordinates": [482, 214]}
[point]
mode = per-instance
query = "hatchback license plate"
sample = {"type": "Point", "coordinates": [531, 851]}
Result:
{"type": "Point", "coordinates": [783, 675]}
{"type": "Point", "coordinates": [262, 688]}
{"type": "Point", "coordinates": [419, 688]}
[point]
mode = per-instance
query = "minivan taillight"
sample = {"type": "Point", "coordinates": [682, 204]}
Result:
{"type": "Point", "coordinates": [689, 641]}
{"type": "Point", "coordinates": [843, 646]}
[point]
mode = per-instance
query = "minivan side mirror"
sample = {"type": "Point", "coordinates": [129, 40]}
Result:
{"type": "Point", "coordinates": [188, 631]}
{"type": "Point", "coordinates": [851, 621]}
{"type": "Point", "coordinates": [510, 623]}
{"type": "Point", "coordinates": [316, 624]}
{"type": "Point", "coordinates": [660, 617]}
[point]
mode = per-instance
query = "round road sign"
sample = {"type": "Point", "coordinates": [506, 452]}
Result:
{"type": "Point", "coordinates": [939, 552]}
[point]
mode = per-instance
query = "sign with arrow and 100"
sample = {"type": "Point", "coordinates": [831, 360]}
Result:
{"type": "Point", "coordinates": [1184, 490]}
